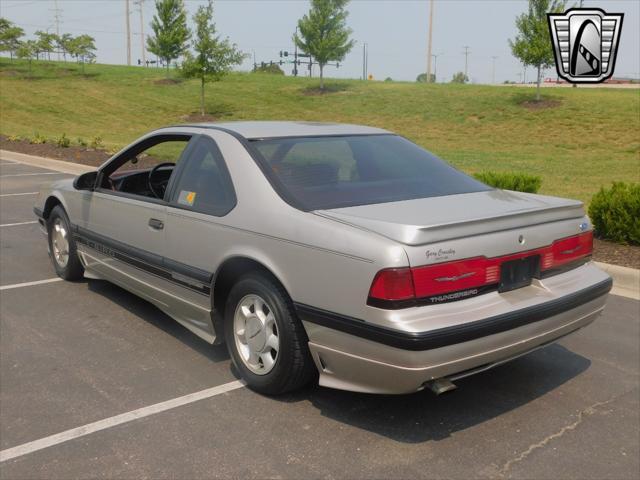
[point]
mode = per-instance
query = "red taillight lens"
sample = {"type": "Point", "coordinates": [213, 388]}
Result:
{"type": "Point", "coordinates": [452, 276]}
{"type": "Point", "coordinates": [398, 284]}
{"type": "Point", "coordinates": [393, 284]}
{"type": "Point", "coordinates": [567, 250]}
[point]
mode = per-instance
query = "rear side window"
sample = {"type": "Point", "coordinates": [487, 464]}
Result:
{"type": "Point", "coordinates": [345, 171]}
{"type": "Point", "coordinates": [205, 184]}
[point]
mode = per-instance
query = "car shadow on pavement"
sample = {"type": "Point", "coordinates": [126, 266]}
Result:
{"type": "Point", "coordinates": [412, 418]}
{"type": "Point", "coordinates": [423, 416]}
{"type": "Point", "coordinates": [155, 317]}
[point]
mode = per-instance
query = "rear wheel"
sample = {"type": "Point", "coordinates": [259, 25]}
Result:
{"type": "Point", "coordinates": [62, 246]}
{"type": "Point", "coordinates": [265, 339]}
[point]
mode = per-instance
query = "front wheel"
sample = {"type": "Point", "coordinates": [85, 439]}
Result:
{"type": "Point", "coordinates": [265, 339]}
{"type": "Point", "coordinates": [62, 246]}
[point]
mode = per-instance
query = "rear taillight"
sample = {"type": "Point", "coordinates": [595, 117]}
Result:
{"type": "Point", "coordinates": [441, 282]}
{"type": "Point", "coordinates": [393, 284]}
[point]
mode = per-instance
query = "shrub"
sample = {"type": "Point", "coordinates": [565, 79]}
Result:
{"type": "Point", "coordinates": [14, 138]}
{"type": "Point", "coordinates": [62, 141]}
{"type": "Point", "coordinates": [520, 182]}
{"type": "Point", "coordinates": [37, 139]}
{"type": "Point", "coordinates": [615, 213]}
{"type": "Point", "coordinates": [82, 142]}
{"type": "Point", "coordinates": [96, 143]}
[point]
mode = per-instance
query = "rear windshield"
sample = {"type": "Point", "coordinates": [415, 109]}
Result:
{"type": "Point", "coordinates": [334, 172]}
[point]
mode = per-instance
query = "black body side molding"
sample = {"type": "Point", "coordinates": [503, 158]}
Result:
{"type": "Point", "coordinates": [443, 337]}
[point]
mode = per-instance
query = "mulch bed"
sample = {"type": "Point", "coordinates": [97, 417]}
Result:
{"type": "Point", "coordinates": [603, 251]}
{"type": "Point", "coordinates": [609, 252]}
{"type": "Point", "coordinates": [74, 153]}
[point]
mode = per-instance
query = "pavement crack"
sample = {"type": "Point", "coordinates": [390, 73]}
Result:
{"type": "Point", "coordinates": [587, 412]}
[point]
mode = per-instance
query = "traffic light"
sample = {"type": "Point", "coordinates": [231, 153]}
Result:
{"type": "Point", "coordinates": [280, 53]}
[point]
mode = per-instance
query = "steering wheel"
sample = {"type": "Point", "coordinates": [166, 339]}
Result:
{"type": "Point", "coordinates": [158, 188]}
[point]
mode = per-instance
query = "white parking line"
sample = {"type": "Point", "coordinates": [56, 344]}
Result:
{"type": "Point", "coordinates": [17, 224]}
{"type": "Point", "coordinates": [6, 162]}
{"type": "Point", "coordinates": [31, 174]}
{"type": "Point", "coordinates": [30, 284]}
{"type": "Point", "coordinates": [90, 428]}
{"type": "Point", "coordinates": [17, 194]}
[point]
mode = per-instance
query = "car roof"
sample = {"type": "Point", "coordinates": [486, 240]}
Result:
{"type": "Point", "coordinates": [279, 129]}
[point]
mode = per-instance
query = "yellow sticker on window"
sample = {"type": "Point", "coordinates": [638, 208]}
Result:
{"type": "Point", "coordinates": [187, 198]}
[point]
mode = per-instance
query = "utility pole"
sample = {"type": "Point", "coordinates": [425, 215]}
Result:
{"type": "Point", "coordinates": [128, 33]}
{"type": "Point", "coordinates": [429, 41]}
{"type": "Point", "coordinates": [140, 4]}
{"type": "Point", "coordinates": [295, 56]}
{"type": "Point", "coordinates": [364, 61]}
{"type": "Point", "coordinates": [435, 66]}
{"type": "Point", "coordinates": [493, 70]}
{"type": "Point", "coordinates": [466, 60]}
{"type": "Point", "coordinates": [56, 16]}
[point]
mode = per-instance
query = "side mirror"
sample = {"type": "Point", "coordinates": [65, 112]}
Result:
{"type": "Point", "coordinates": [86, 181]}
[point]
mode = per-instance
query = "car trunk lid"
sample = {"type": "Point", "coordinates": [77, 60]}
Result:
{"type": "Point", "coordinates": [430, 220]}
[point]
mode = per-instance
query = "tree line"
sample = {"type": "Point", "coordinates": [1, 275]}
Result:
{"type": "Point", "coordinates": [82, 47]}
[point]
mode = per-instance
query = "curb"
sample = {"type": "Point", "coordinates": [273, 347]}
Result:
{"type": "Point", "coordinates": [626, 281]}
{"type": "Point", "coordinates": [60, 165]}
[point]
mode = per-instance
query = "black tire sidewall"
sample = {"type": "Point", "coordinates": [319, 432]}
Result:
{"type": "Point", "coordinates": [73, 270]}
{"type": "Point", "coordinates": [276, 380]}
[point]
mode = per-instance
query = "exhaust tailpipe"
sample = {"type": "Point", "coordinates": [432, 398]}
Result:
{"type": "Point", "coordinates": [441, 385]}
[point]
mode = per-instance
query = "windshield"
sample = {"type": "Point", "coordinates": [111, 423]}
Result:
{"type": "Point", "coordinates": [344, 171]}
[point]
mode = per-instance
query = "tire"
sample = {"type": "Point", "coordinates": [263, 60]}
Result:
{"type": "Point", "coordinates": [67, 265]}
{"type": "Point", "coordinates": [293, 367]}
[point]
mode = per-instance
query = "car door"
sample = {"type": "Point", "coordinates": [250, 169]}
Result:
{"type": "Point", "coordinates": [124, 240]}
{"type": "Point", "coordinates": [202, 194]}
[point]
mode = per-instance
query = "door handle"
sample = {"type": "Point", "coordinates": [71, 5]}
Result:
{"type": "Point", "coordinates": [156, 224]}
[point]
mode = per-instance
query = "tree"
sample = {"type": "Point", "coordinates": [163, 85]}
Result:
{"type": "Point", "coordinates": [27, 50]}
{"type": "Point", "coordinates": [459, 77]}
{"type": "Point", "coordinates": [214, 56]}
{"type": "Point", "coordinates": [46, 42]}
{"type": "Point", "coordinates": [323, 33]}
{"type": "Point", "coordinates": [533, 45]}
{"type": "Point", "coordinates": [83, 49]}
{"type": "Point", "coordinates": [422, 78]}
{"type": "Point", "coordinates": [171, 34]}
{"type": "Point", "coordinates": [9, 36]}
{"type": "Point", "coordinates": [63, 44]}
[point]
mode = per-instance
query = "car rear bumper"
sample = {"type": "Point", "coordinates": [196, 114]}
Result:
{"type": "Point", "coordinates": [354, 355]}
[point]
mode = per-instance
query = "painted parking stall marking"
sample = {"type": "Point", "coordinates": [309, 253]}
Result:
{"type": "Point", "coordinates": [31, 174]}
{"type": "Point", "coordinates": [30, 284]}
{"type": "Point", "coordinates": [18, 224]}
{"type": "Point", "coordinates": [90, 428]}
{"type": "Point", "coordinates": [17, 194]}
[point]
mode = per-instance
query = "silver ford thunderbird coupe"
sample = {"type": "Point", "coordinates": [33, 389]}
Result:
{"type": "Point", "coordinates": [338, 253]}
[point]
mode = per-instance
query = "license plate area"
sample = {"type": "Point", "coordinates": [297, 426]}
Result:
{"type": "Point", "coordinates": [518, 273]}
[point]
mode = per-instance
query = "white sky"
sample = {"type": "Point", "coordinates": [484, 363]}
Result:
{"type": "Point", "coordinates": [395, 31]}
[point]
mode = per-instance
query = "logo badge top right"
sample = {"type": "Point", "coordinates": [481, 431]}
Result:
{"type": "Point", "coordinates": [585, 43]}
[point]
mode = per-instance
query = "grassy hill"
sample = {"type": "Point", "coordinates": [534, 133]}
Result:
{"type": "Point", "coordinates": [581, 139]}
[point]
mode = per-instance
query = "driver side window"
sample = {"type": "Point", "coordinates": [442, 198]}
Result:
{"type": "Point", "coordinates": [145, 169]}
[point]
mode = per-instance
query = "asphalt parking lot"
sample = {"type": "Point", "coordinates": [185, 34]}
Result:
{"type": "Point", "coordinates": [72, 354]}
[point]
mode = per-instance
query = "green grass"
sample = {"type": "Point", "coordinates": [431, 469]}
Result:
{"type": "Point", "coordinates": [590, 139]}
